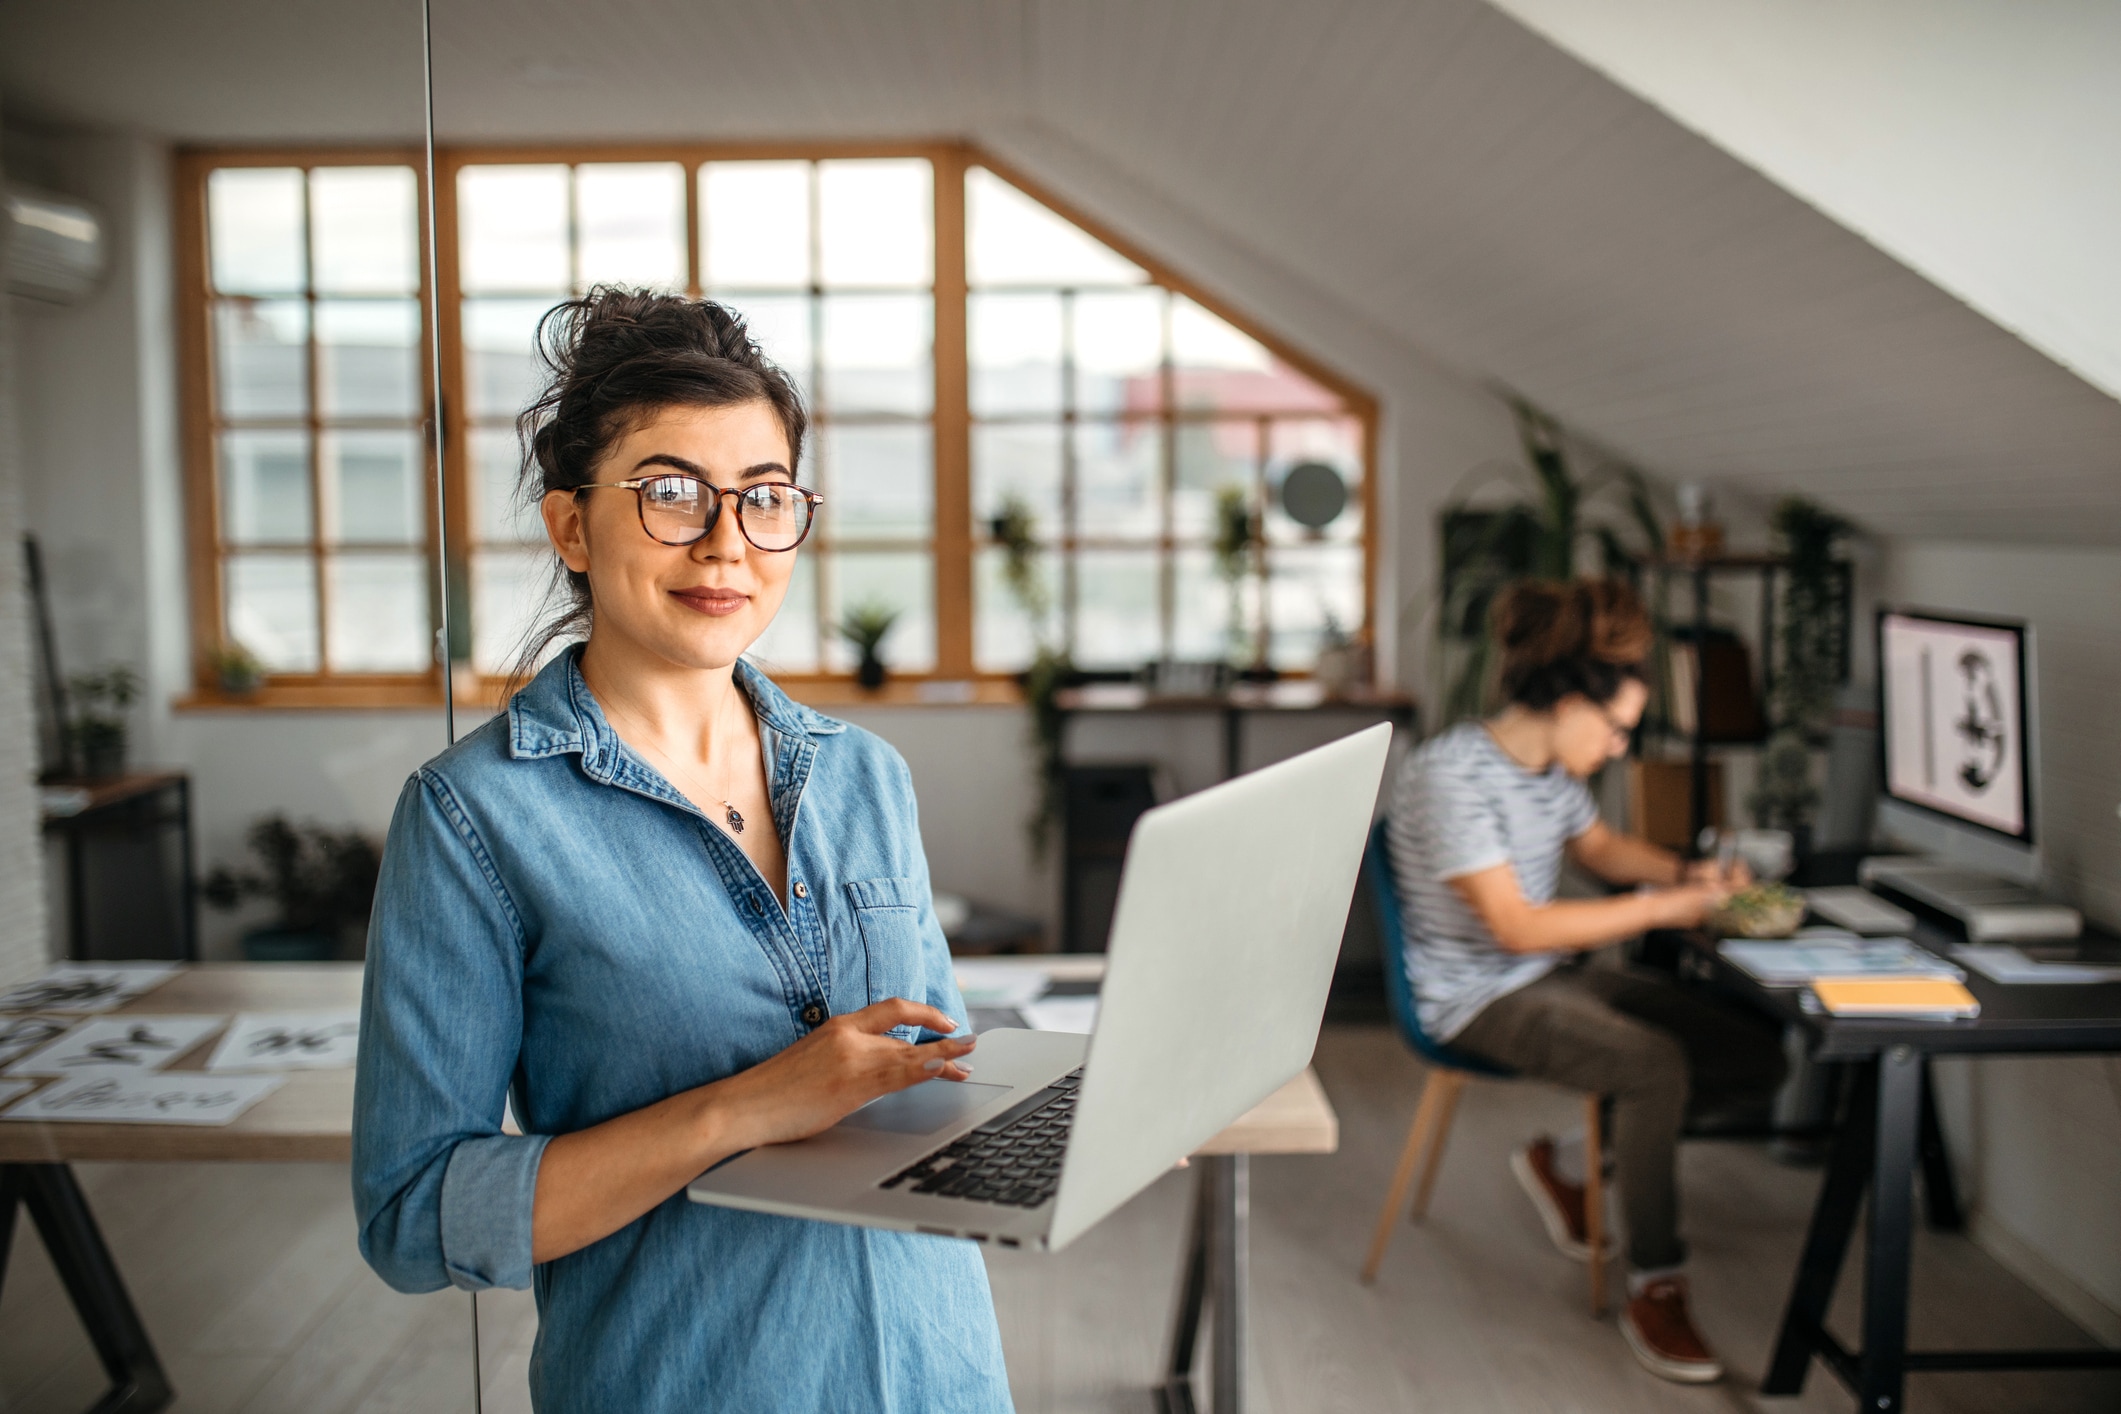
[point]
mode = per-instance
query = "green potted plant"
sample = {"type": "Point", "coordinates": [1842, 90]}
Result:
{"type": "Point", "coordinates": [321, 881]}
{"type": "Point", "coordinates": [1812, 633]}
{"type": "Point", "coordinates": [1014, 530]}
{"type": "Point", "coordinates": [865, 627]}
{"type": "Point", "coordinates": [1542, 530]}
{"type": "Point", "coordinates": [237, 671]}
{"type": "Point", "coordinates": [1237, 541]}
{"type": "Point", "coordinates": [97, 735]}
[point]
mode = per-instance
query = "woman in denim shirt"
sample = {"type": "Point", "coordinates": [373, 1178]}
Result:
{"type": "Point", "coordinates": [672, 915]}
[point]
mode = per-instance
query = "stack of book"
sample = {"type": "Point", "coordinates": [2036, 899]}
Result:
{"type": "Point", "coordinates": [1861, 977]}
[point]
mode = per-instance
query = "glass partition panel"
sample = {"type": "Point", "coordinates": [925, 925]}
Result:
{"type": "Point", "coordinates": [226, 461]}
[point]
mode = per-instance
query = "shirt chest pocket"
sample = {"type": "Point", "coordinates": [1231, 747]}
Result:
{"type": "Point", "coordinates": [887, 920]}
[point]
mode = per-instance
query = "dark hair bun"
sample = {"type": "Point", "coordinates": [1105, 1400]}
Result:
{"type": "Point", "coordinates": [1583, 636]}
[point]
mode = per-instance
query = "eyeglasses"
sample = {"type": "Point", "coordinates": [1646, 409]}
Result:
{"type": "Point", "coordinates": [1623, 734]}
{"type": "Point", "coordinates": [680, 510]}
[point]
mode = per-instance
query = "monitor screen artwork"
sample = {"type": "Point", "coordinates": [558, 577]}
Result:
{"type": "Point", "coordinates": [1953, 719]}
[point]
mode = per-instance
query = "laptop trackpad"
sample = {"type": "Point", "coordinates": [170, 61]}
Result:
{"type": "Point", "coordinates": [923, 1108]}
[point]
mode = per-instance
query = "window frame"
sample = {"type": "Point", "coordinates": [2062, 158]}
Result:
{"type": "Point", "coordinates": [956, 540]}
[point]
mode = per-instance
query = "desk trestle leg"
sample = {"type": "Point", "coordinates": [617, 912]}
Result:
{"type": "Point", "coordinates": [1833, 1223]}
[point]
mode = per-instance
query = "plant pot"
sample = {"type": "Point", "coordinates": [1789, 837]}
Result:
{"type": "Point", "coordinates": [289, 945]}
{"type": "Point", "coordinates": [870, 672]}
{"type": "Point", "coordinates": [103, 757]}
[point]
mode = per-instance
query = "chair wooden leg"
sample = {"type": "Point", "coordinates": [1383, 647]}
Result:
{"type": "Point", "coordinates": [1594, 1199]}
{"type": "Point", "coordinates": [1455, 1084]}
{"type": "Point", "coordinates": [1409, 1156]}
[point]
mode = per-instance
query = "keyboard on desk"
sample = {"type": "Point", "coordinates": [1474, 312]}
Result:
{"type": "Point", "coordinates": [1013, 1159]}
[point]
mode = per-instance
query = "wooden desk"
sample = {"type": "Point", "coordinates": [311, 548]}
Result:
{"type": "Point", "coordinates": [1215, 1274]}
{"type": "Point", "coordinates": [1879, 1144]}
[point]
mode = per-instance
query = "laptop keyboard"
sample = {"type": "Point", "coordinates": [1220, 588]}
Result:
{"type": "Point", "coordinates": [1014, 1158]}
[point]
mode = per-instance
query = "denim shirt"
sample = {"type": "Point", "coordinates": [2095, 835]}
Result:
{"type": "Point", "coordinates": [557, 925]}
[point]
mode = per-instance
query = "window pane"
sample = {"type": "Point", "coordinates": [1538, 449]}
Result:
{"type": "Point", "coordinates": [755, 225]}
{"type": "Point", "coordinates": [508, 588]}
{"type": "Point", "coordinates": [1116, 617]}
{"type": "Point", "coordinates": [498, 515]}
{"type": "Point", "coordinates": [1203, 627]}
{"type": "Point", "coordinates": [1211, 455]}
{"type": "Point", "coordinates": [1308, 586]}
{"type": "Point", "coordinates": [501, 371]}
{"type": "Point", "coordinates": [514, 224]}
{"type": "Point", "coordinates": [876, 354]}
{"type": "Point", "coordinates": [902, 581]}
{"type": "Point", "coordinates": [1118, 466]}
{"type": "Point", "coordinates": [272, 609]}
{"type": "Point", "coordinates": [264, 487]}
{"type": "Point", "coordinates": [262, 363]}
{"type": "Point", "coordinates": [1119, 350]}
{"type": "Point", "coordinates": [367, 237]}
{"type": "Point", "coordinates": [378, 609]}
{"type": "Point", "coordinates": [1003, 640]}
{"type": "Point", "coordinates": [375, 480]}
{"type": "Point", "coordinates": [1017, 460]}
{"type": "Point", "coordinates": [632, 219]}
{"type": "Point", "coordinates": [780, 325]}
{"type": "Point", "coordinates": [878, 481]}
{"type": "Point", "coordinates": [1336, 443]}
{"type": "Point", "coordinates": [1015, 353]}
{"type": "Point", "coordinates": [1012, 240]}
{"type": "Point", "coordinates": [368, 361]}
{"type": "Point", "coordinates": [789, 644]}
{"type": "Point", "coordinates": [255, 230]}
{"type": "Point", "coordinates": [1219, 368]}
{"type": "Point", "coordinates": [874, 220]}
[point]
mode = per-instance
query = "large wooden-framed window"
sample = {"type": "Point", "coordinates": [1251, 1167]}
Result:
{"type": "Point", "coordinates": [306, 387]}
{"type": "Point", "coordinates": [966, 343]}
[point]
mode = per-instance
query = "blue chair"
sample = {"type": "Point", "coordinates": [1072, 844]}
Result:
{"type": "Point", "coordinates": [1448, 1072]}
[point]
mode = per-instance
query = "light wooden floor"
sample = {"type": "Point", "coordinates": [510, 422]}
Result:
{"type": "Point", "coordinates": [248, 1281]}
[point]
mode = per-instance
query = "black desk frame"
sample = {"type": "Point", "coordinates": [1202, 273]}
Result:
{"type": "Point", "coordinates": [60, 1210]}
{"type": "Point", "coordinates": [1889, 1130]}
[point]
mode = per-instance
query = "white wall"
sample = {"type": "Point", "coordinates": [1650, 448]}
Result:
{"type": "Point", "coordinates": [2039, 1140]}
{"type": "Point", "coordinates": [22, 924]}
{"type": "Point", "coordinates": [1971, 139]}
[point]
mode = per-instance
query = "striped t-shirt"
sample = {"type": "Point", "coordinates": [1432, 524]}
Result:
{"type": "Point", "coordinates": [1462, 805]}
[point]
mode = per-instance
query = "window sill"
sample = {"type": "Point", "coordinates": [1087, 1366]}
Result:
{"type": "Point", "coordinates": [346, 695]}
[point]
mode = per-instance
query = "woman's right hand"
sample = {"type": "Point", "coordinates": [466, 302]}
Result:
{"type": "Point", "coordinates": [832, 1072]}
{"type": "Point", "coordinates": [1688, 905]}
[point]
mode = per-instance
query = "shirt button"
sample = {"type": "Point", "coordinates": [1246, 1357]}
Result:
{"type": "Point", "coordinates": [757, 906]}
{"type": "Point", "coordinates": [813, 1014]}
{"type": "Point", "coordinates": [802, 890]}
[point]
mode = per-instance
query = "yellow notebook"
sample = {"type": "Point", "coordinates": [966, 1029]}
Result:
{"type": "Point", "coordinates": [1922, 997]}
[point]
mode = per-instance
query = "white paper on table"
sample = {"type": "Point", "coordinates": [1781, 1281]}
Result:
{"type": "Point", "coordinates": [1077, 1014]}
{"type": "Point", "coordinates": [12, 1090]}
{"type": "Point", "coordinates": [1793, 964]}
{"type": "Point", "coordinates": [119, 1044]}
{"type": "Point", "coordinates": [88, 986]}
{"type": "Point", "coordinates": [178, 1097]}
{"type": "Point", "coordinates": [289, 1040]}
{"type": "Point", "coordinates": [19, 1035]}
{"type": "Point", "coordinates": [999, 984]}
{"type": "Point", "coordinates": [1999, 963]}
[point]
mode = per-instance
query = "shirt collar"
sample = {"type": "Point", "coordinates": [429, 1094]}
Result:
{"type": "Point", "coordinates": [557, 714]}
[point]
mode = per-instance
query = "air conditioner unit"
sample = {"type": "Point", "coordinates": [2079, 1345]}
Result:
{"type": "Point", "coordinates": [54, 246]}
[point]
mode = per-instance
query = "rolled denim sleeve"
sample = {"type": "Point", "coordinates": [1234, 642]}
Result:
{"type": "Point", "coordinates": [443, 1197]}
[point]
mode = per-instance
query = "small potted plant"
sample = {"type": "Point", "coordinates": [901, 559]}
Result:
{"type": "Point", "coordinates": [865, 628]}
{"type": "Point", "coordinates": [322, 882]}
{"type": "Point", "coordinates": [97, 733]}
{"type": "Point", "coordinates": [237, 670]}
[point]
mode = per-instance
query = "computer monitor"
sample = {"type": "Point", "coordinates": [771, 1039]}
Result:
{"type": "Point", "coordinates": [1956, 739]}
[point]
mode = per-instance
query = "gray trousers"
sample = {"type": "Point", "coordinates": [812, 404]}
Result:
{"type": "Point", "coordinates": [1658, 1051]}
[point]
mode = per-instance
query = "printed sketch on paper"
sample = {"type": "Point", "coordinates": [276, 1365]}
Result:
{"type": "Point", "coordinates": [87, 987]}
{"type": "Point", "coordinates": [293, 1040]}
{"type": "Point", "coordinates": [183, 1098]}
{"type": "Point", "coordinates": [22, 1034]}
{"type": "Point", "coordinates": [120, 1043]}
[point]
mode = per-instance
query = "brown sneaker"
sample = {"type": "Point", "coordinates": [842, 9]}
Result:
{"type": "Point", "coordinates": [1559, 1203]}
{"type": "Point", "coordinates": [1662, 1335]}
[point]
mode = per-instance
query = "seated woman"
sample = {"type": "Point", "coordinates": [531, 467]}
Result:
{"type": "Point", "coordinates": [1481, 819]}
{"type": "Point", "coordinates": [671, 915]}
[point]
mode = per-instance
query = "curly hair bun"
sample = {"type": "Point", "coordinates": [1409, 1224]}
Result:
{"type": "Point", "coordinates": [1580, 636]}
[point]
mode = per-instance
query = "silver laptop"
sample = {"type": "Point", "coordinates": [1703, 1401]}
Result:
{"type": "Point", "coordinates": [1230, 912]}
